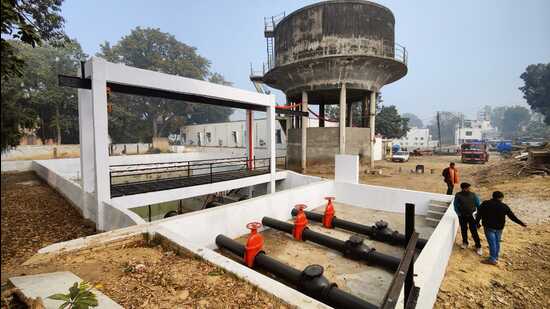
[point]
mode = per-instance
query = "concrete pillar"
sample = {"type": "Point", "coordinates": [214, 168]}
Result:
{"type": "Point", "coordinates": [321, 115]}
{"type": "Point", "coordinates": [86, 138]}
{"type": "Point", "coordinates": [305, 124]}
{"type": "Point", "coordinates": [271, 146]}
{"type": "Point", "coordinates": [101, 137]}
{"type": "Point", "coordinates": [364, 111]}
{"type": "Point", "coordinates": [342, 120]}
{"type": "Point", "coordinates": [372, 122]}
{"type": "Point", "coordinates": [250, 138]}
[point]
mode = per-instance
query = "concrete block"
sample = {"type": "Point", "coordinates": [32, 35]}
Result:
{"type": "Point", "coordinates": [346, 168]}
{"type": "Point", "coordinates": [44, 285]}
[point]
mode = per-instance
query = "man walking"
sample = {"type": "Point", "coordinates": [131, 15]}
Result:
{"type": "Point", "coordinates": [493, 214]}
{"type": "Point", "coordinates": [450, 177]}
{"type": "Point", "coordinates": [465, 204]}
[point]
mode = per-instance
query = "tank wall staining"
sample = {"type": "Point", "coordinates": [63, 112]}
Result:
{"type": "Point", "coordinates": [335, 29]}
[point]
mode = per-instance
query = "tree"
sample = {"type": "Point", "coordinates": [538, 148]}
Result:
{"type": "Point", "coordinates": [390, 124]}
{"type": "Point", "coordinates": [414, 121]}
{"type": "Point", "coordinates": [151, 49]}
{"type": "Point", "coordinates": [514, 119]}
{"type": "Point", "coordinates": [536, 90]}
{"type": "Point", "coordinates": [30, 22]}
{"type": "Point", "coordinates": [54, 109]}
{"type": "Point", "coordinates": [497, 116]}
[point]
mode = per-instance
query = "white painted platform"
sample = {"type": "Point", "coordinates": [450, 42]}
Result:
{"type": "Point", "coordinates": [44, 285]}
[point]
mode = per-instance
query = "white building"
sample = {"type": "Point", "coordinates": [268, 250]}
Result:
{"type": "Point", "coordinates": [229, 134]}
{"type": "Point", "coordinates": [416, 138]}
{"type": "Point", "coordinates": [471, 130]}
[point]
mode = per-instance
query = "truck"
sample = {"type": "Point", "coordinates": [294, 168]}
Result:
{"type": "Point", "coordinates": [474, 152]}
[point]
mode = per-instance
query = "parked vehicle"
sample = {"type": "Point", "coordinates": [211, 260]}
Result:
{"type": "Point", "coordinates": [474, 152]}
{"type": "Point", "coordinates": [400, 156]}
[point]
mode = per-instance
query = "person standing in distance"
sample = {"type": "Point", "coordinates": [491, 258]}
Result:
{"type": "Point", "coordinates": [450, 177]}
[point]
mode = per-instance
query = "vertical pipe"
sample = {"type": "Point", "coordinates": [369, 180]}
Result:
{"type": "Point", "coordinates": [372, 123]}
{"type": "Point", "coordinates": [321, 115]}
{"type": "Point", "coordinates": [149, 212]}
{"type": "Point", "coordinates": [250, 141]}
{"type": "Point", "coordinates": [409, 230]}
{"type": "Point", "coordinates": [342, 121]}
{"type": "Point", "coordinates": [305, 123]}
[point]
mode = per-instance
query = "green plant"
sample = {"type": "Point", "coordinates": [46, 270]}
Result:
{"type": "Point", "coordinates": [80, 296]}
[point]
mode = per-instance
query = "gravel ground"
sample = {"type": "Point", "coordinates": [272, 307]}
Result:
{"type": "Point", "coordinates": [34, 216]}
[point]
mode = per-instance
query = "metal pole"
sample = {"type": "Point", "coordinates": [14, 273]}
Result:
{"type": "Point", "coordinates": [409, 230]}
{"type": "Point", "coordinates": [210, 172]}
{"type": "Point", "coordinates": [149, 211]}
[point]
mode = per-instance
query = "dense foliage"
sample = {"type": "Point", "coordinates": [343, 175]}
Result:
{"type": "Point", "coordinates": [536, 90]}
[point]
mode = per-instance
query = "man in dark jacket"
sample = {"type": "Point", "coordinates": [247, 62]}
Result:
{"type": "Point", "coordinates": [465, 204]}
{"type": "Point", "coordinates": [493, 214]}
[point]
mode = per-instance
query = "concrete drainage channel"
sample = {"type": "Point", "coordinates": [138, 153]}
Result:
{"type": "Point", "coordinates": [311, 281]}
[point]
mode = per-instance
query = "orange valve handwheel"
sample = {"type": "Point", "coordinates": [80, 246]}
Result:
{"type": "Point", "coordinates": [329, 213]}
{"type": "Point", "coordinates": [300, 222]}
{"type": "Point", "coordinates": [254, 244]}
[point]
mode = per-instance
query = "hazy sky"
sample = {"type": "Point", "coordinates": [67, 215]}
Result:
{"type": "Point", "coordinates": [462, 54]}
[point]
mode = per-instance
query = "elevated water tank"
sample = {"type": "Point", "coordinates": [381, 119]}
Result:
{"type": "Point", "coordinates": [322, 46]}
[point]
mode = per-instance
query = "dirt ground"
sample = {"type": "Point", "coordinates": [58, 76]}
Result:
{"type": "Point", "coordinates": [136, 274]}
{"type": "Point", "coordinates": [521, 278]}
{"type": "Point", "coordinates": [34, 216]}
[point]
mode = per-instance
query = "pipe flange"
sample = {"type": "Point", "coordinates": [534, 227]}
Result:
{"type": "Point", "coordinates": [313, 271]}
{"type": "Point", "coordinates": [355, 240]}
{"type": "Point", "coordinates": [380, 225]}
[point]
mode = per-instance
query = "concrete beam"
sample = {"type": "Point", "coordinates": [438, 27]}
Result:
{"type": "Point", "coordinates": [343, 119]}
{"type": "Point", "coordinates": [305, 124]}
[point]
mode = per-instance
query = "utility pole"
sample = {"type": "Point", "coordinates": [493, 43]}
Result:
{"type": "Point", "coordinates": [439, 131]}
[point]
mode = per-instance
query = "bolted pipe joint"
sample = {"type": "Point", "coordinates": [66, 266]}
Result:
{"type": "Point", "coordinates": [382, 232]}
{"type": "Point", "coordinates": [314, 284]}
{"type": "Point", "coordinates": [355, 249]}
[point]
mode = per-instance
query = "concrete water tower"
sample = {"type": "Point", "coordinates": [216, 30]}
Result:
{"type": "Point", "coordinates": [334, 52]}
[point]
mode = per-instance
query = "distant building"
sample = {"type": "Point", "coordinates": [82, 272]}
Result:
{"type": "Point", "coordinates": [470, 130]}
{"type": "Point", "coordinates": [416, 138]}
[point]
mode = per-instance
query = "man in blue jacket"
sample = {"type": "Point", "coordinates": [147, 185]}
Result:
{"type": "Point", "coordinates": [465, 204]}
{"type": "Point", "coordinates": [493, 214]}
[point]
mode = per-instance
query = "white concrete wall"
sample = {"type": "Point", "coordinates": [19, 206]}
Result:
{"type": "Point", "coordinates": [416, 138]}
{"type": "Point", "coordinates": [385, 198]}
{"type": "Point", "coordinates": [346, 168]}
{"type": "Point", "coordinates": [431, 264]}
{"type": "Point", "coordinates": [54, 172]}
{"type": "Point", "coordinates": [16, 166]}
{"type": "Point", "coordinates": [29, 152]}
{"type": "Point", "coordinates": [202, 227]}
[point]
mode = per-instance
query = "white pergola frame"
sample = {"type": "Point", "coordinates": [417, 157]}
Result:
{"type": "Point", "coordinates": [93, 117]}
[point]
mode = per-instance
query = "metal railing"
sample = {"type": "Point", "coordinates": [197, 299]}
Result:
{"type": "Point", "coordinates": [147, 177]}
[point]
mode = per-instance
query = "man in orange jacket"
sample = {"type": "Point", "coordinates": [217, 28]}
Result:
{"type": "Point", "coordinates": [450, 177]}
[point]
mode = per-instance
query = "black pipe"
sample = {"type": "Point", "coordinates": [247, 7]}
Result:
{"type": "Point", "coordinates": [352, 248]}
{"type": "Point", "coordinates": [379, 232]}
{"type": "Point", "coordinates": [310, 281]}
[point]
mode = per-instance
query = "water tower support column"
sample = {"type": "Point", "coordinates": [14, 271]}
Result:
{"type": "Point", "coordinates": [372, 123]}
{"type": "Point", "coordinates": [342, 121]}
{"type": "Point", "coordinates": [305, 124]}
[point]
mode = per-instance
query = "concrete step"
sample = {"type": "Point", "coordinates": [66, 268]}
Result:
{"type": "Point", "coordinates": [437, 208]}
{"type": "Point", "coordinates": [44, 285]}
{"type": "Point", "coordinates": [432, 222]}
{"type": "Point", "coordinates": [440, 203]}
{"type": "Point", "coordinates": [435, 214]}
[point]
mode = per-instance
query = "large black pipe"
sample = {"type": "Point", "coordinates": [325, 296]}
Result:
{"type": "Point", "coordinates": [353, 248]}
{"type": "Point", "coordinates": [380, 231]}
{"type": "Point", "coordinates": [310, 281]}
